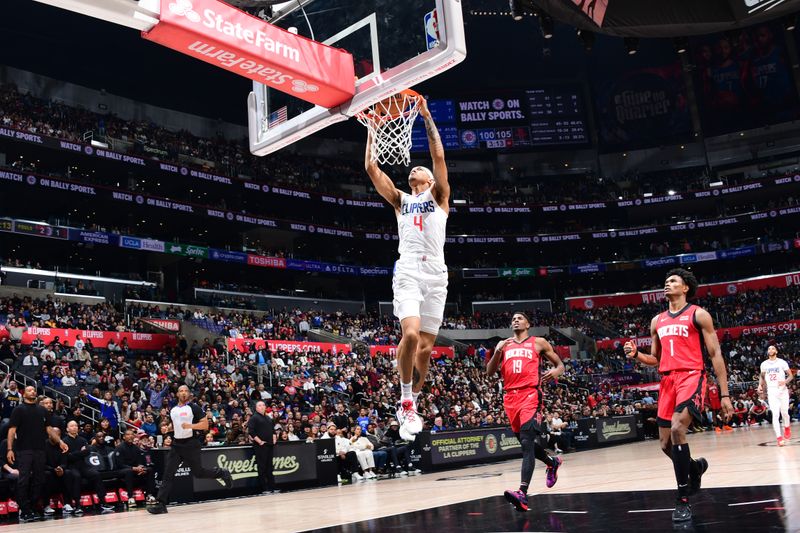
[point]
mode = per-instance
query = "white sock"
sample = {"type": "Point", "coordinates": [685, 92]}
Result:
{"type": "Point", "coordinates": [405, 390]}
{"type": "Point", "coordinates": [415, 395]}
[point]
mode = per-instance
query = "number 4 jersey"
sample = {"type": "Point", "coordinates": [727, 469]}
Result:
{"type": "Point", "coordinates": [682, 344]}
{"type": "Point", "coordinates": [421, 226]}
{"type": "Point", "coordinates": [520, 365]}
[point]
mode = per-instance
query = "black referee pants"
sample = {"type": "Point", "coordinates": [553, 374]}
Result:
{"type": "Point", "coordinates": [187, 453]}
{"type": "Point", "coordinates": [264, 455]}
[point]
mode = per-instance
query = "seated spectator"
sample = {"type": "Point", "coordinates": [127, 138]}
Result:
{"type": "Point", "coordinates": [132, 466]}
{"type": "Point", "coordinates": [363, 448]}
{"type": "Point", "coordinates": [349, 467]}
{"type": "Point", "coordinates": [81, 465]}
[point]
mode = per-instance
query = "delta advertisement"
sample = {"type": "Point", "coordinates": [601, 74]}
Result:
{"type": "Point", "coordinates": [777, 281]}
{"type": "Point", "coordinates": [136, 341]}
{"type": "Point", "coordinates": [245, 345]}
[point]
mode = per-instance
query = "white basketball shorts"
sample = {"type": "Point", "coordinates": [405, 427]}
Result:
{"type": "Point", "coordinates": [420, 289]}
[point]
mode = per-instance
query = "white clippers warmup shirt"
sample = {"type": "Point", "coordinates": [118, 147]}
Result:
{"type": "Point", "coordinates": [774, 372]}
{"type": "Point", "coordinates": [421, 226]}
{"type": "Point", "coordinates": [190, 413]}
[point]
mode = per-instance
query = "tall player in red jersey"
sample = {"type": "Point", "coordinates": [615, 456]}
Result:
{"type": "Point", "coordinates": [682, 337]}
{"type": "Point", "coordinates": [518, 360]}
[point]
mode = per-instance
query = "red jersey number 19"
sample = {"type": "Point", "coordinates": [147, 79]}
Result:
{"type": "Point", "coordinates": [516, 366]}
{"type": "Point", "coordinates": [418, 221]}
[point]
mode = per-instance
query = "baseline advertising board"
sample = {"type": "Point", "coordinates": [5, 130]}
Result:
{"type": "Point", "coordinates": [546, 115]}
{"type": "Point", "coordinates": [470, 446]}
{"type": "Point", "coordinates": [616, 429]}
{"type": "Point", "coordinates": [295, 465]}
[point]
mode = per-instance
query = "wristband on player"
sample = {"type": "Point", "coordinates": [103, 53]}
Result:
{"type": "Point", "coordinates": [725, 396]}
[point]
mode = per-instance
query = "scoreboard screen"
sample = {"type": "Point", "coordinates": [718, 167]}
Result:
{"type": "Point", "coordinates": [550, 115]}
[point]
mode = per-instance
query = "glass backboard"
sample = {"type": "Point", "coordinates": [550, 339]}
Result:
{"type": "Point", "coordinates": [395, 44]}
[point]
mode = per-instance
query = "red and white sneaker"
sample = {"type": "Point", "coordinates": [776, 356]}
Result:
{"type": "Point", "coordinates": [787, 433]}
{"type": "Point", "coordinates": [410, 422]}
{"type": "Point", "coordinates": [781, 442]}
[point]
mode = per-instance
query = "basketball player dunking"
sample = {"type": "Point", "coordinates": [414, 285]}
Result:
{"type": "Point", "coordinates": [420, 275]}
{"type": "Point", "coordinates": [518, 360]}
{"type": "Point", "coordinates": [681, 337]}
{"type": "Point", "coordinates": [776, 373]}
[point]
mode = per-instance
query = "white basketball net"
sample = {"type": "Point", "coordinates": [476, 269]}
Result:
{"type": "Point", "coordinates": [390, 122]}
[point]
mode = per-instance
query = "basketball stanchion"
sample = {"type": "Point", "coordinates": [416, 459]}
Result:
{"type": "Point", "coordinates": [390, 122]}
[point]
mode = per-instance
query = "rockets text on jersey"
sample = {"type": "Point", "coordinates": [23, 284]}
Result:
{"type": "Point", "coordinates": [421, 226]}
{"type": "Point", "coordinates": [520, 366]}
{"type": "Point", "coordinates": [682, 345]}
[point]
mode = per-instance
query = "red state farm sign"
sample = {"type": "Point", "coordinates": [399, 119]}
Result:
{"type": "Point", "coordinates": [225, 37]}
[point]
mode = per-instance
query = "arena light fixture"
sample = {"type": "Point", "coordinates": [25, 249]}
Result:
{"type": "Point", "coordinates": [632, 45]}
{"type": "Point", "coordinates": [516, 9]}
{"type": "Point", "coordinates": [587, 38]}
{"type": "Point", "coordinates": [716, 184]}
{"type": "Point", "coordinates": [671, 192]}
{"type": "Point", "coordinates": [547, 25]}
{"type": "Point", "coordinates": [681, 45]}
{"type": "Point", "coordinates": [790, 22]}
{"type": "Point", "coordinates": [648, 195]}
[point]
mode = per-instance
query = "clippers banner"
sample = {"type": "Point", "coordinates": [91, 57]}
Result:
{"type": "Point", "coordinates": [391, 351]}
{"type": "Point", "coordinates": [100, 339]}
{"type": "Point", "coordinates": [243, 345]}
{"type": "Point", "coordinates": [230, 39]}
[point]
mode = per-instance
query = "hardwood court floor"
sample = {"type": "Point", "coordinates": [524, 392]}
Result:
{"type": "Point", "coordinates": [742, 458]}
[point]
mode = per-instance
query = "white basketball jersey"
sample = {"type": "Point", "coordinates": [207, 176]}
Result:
{"type": "Point", "coordinates": [421, 224]}
{"type": "Point", "coordinates": [775, 371]}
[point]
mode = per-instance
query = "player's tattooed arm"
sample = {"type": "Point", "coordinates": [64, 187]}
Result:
{"type": "Point", "coordinates": [437, 155]}
{"type": "Point", "coordinates": [383, 184]}
{"type": "Point", "coordinates": [416, 379]}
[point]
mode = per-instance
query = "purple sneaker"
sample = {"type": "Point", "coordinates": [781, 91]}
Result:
{"type": "Point", "coordinates": [552, 471]}
{"type": "Point", "coordinates": [518, 499]}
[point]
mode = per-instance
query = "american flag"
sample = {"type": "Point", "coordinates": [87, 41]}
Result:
{"type": "Point", "coordinates": [277, 117]}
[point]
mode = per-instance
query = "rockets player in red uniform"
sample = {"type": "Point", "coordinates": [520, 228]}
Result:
{"type": "Point", "coordinates": [518, 360]}
{"type": "Point", "coordinates": [681, 337]}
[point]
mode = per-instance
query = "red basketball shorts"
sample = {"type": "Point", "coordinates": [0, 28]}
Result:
{"type": "Point", "coordinates": [681, 389]}
{"type": "Point", "coordinates": [523, 406]}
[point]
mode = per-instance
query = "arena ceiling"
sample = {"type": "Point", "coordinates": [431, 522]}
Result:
{"type": "Point", "coordinates": [662, 18]}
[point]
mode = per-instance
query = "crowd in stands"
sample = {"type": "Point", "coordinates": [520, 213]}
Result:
{"type": "Point", "coordinates": [21, 312]}
{"type": "Point", "coordinates": [751, 307]}
{"type": "Point", "coordinates": [118, 397]}
{"type": "Point", "coordinates": [32, 114]}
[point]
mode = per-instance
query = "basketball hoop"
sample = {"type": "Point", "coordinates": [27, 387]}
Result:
{"type": "Point", "coordinates": [389, 122]}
